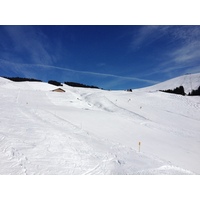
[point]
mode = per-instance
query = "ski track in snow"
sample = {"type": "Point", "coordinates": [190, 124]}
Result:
{"type": "Point", "coordinates": [42, 132]}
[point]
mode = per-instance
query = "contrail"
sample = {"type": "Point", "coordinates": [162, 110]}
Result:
{"type": "Point", "coordinates": [81, 72]}
{"type": "Point", "coordinates": [99, 74]}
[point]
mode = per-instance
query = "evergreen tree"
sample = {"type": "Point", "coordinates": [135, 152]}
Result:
{"type": "Point", "coordinates": [195, 92]}
{"type": "Point", "coordinates": [177, 90]}
{"type": "Point", "coordinates": [56, 83]}
{"type": "Point", "coordinates": [74, 84]}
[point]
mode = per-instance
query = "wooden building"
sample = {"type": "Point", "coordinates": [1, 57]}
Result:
{"type": "Point", "coordinates": [58, 90]}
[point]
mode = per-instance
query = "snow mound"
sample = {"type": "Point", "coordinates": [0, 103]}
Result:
{"type": "Point", "coordinates": [41, 86]}
{"type": "Point", "coordinates": [4, 81]}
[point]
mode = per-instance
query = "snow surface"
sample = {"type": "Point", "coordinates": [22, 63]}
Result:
{"type": "Point", "coordinates": [91, 131]}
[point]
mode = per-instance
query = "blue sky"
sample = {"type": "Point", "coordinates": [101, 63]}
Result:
{"type": "Point", "coordinates": [110, 57]}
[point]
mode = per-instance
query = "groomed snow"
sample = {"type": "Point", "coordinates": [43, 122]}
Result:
{"type": "Point", "coordinates": [91, 131]}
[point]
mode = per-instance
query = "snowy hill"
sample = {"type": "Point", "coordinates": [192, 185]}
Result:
{"type": "Point", "coordinates": [189, 82]}
{"type": "Point", "coordinates": [91, 131]}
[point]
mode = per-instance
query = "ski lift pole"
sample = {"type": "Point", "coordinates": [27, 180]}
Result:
{"type": "Point", "coordinates": [139, 145]}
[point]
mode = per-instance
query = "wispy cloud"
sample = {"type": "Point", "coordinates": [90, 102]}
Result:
{"type": "Point", "coordinates": [147, 35]}
{"type": "Point", "coordinates": [102, 64]}
{"type": "Point", "coordinates": [28, 41]}
{"type": "Point", "coordinates": [184, 52]}
{"type": "Point", "coordinates": [187, 53]}
{"type": "Point", "coordinates": [184, 58]}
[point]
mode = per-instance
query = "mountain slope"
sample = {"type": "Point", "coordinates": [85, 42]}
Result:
{"type": "Point", "coordinates": [91, 131]}
{"type": "Point", "coordinates": [189, 82]}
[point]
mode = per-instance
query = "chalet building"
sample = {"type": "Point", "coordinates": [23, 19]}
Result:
{"type": "Point", "coordinates": [58, 90]}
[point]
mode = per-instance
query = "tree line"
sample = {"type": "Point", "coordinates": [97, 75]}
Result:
{"type": "Point", "coordinates": [195, 92]}
{"type": "Point", "coordinates": [52, 82]}
{"type": "Point", "coordinates": [180, 90]}
{"type": "Point", "coordinates": [19, 79]}
{"type": "Point", "coordinates": [74, 84]}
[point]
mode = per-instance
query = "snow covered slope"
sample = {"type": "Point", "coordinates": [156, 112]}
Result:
{"type": "Point", "coordinates": [91, 131]}
{"type": "Point", "coordinates": [189, 82]}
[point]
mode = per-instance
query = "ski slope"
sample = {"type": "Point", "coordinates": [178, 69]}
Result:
{"type": "Point", "coordinates": [91, 131]}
